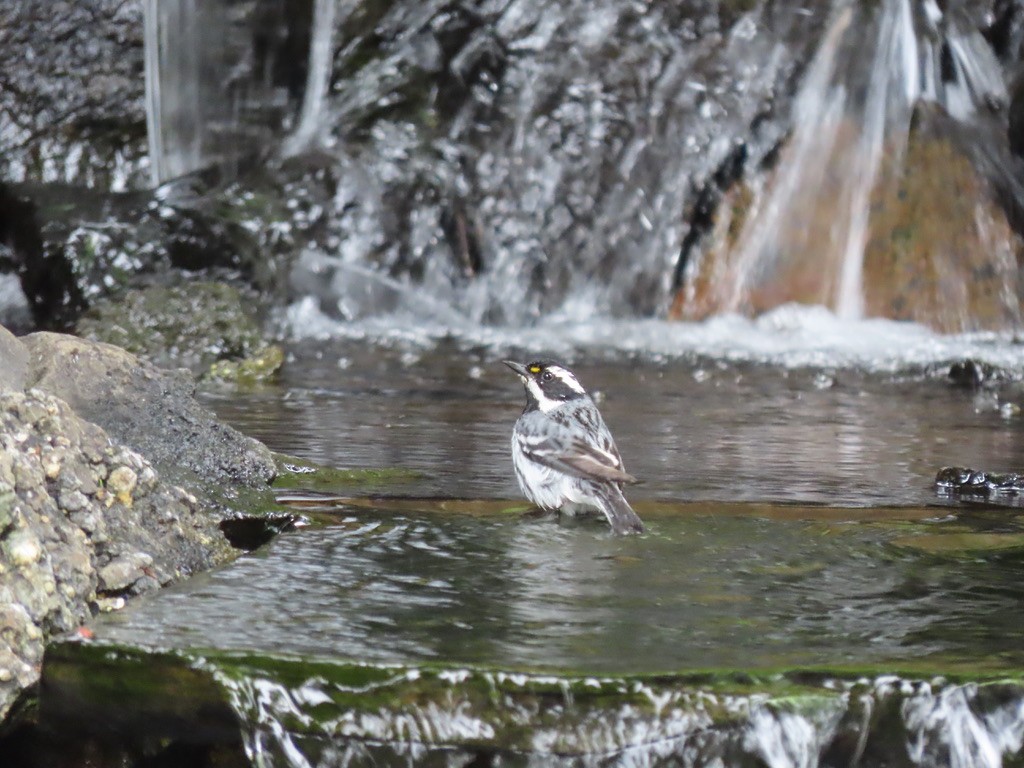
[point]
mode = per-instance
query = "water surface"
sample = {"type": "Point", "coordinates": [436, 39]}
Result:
{"type": "Point", "coordinates": [791, 511]}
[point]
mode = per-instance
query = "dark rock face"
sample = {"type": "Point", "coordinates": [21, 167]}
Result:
{"type": "Point", "coordinates": [73, 248]}
{"type": "Point", "coordinates": [72, 104]}
{"type": "Point", "coordinates": [84, 522]}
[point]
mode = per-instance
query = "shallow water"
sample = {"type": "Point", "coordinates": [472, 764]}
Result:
{"type": "Point", "coordinates": [690, 428]}
{"type": "Point", "coordinates": [792, 521]}
{"type": "Point", "coordinates": [709, 586]}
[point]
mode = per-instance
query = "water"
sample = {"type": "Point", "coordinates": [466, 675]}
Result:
{"type": "Point", "coordinates": [792, 525]}
{"type": "Point", "coordinates": [531, 202]}
{"type": "Point", "coordinates": [860, 428]}
{"type": "Point", "coordinates": [318, 79]}
{"type": "Point", "coordinates": [708, 587]}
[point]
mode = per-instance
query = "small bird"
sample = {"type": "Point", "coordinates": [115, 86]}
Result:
{"type": "Point", "coordinates": [564, 456]}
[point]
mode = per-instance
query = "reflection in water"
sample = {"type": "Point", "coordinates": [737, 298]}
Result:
{"type": "Point", "coordinates": [689, 430]}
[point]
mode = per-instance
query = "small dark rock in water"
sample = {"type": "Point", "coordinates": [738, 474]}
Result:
{"type": "Point", "coordinates": [970, 374]}
{"type": "Point", "coordinates": [963, 481]}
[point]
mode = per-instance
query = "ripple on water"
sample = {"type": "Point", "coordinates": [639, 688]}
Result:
{"type": "Point", "coordinates": [699, 591]}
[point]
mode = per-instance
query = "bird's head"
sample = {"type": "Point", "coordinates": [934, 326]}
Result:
{"type": "Point", "coordinates": [548, 384]}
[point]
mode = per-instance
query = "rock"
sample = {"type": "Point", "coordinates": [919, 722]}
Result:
{"type": "Point", "coordinates": [973, 483]}
{"type": "Point", "coordinates": [13, 362]}
{"type": "Point", "coordinates": [150, 410]}
{"type": "Point", "coordinates": [84, 522]}
{"type": "Point", "coordinates": [973, 374]}
{"type": "Point", "coordinates": [123, 572]}
{"type": "Point", "coordinates": [77, 250]}
{"type": "Point", "coordinates": [197, 326]}
{"type": "Point", "coordinates": [73, 112]}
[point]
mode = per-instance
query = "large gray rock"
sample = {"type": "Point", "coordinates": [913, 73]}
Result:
{"type": "Point", "coordinates": [151, 410]}
{"type": "Point", "coordinates": [85, 521]}
{"type": "Point", "coordinates": [13, 362]}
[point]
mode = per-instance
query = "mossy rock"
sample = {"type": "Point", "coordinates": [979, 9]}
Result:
{"type": "Point", "coordinates": [202, 326]}
{"type": "Point", "coordinates": [316, 706]}
{"type": "Point", "coordinates": [296, 473]}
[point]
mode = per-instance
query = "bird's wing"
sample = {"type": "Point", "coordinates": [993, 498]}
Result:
{"type": "Point", "coordinates": [576, 456]}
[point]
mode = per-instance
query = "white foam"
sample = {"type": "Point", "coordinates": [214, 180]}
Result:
{"type": "Point", "coordinates": [791, 336]}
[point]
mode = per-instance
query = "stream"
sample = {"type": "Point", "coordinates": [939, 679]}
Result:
{"type": "Point", "coordinates": [796, 542]}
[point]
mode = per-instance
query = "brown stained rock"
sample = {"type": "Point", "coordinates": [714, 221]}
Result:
{"type": "Point", "coordinates": [940, 250]}
{"type": "Point", "coordinates": [753, 263]}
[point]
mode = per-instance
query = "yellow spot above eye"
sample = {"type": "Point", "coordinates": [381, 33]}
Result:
{"type": "Point", "coordinates": [534, 369]}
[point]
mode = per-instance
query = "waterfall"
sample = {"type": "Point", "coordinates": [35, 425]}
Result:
{"type": "Point", "coordinates": [477, 166]}
{"type": "Point", "coordinates": [318, 78]}
{"type": "Point", "coordinates": [211, 98]}
{"type": "Point", "coordinates": [808, 226]}
{"type": "Point", "coordinates": [174, 93]}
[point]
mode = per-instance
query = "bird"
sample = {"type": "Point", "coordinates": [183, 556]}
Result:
{"type": "Point", "coordinates": [564, 455]}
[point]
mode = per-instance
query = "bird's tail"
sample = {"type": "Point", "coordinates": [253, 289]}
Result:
{"type": "Point", "coordinates": [620, 515]}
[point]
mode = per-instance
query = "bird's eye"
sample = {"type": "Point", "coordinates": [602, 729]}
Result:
{"type": "Point", "coordinates": [548, 376]}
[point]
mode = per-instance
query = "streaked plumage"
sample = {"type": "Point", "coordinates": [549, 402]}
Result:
{"type": "Point", "coordinates": [563, 453]}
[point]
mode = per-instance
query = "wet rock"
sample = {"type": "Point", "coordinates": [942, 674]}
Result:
{"type": "Point", "coordinates": [258, 367]}
{"type": "Point", "coordinates": [975, 374]}
{"type": "Point", "coordinates": [195, 326]}
{"type": "Point", "coordinates": [941, 249]}
{"type": "Point", "coordinates": [72, 106]}
{"type": "Point", "coordinates": [13, 362]}
{"type": "Point", "coordinates": [963, 481]}
{"type": "Point", "coordinates": [82, 518]}
{"type": "Point", "coordinates": [89, 248]}
{"type": "Point", "coordinates": [148, 409]}
{"type": "Point", "coordinates": [314, 710]}
{"type": "Point", "coordinates": [124, 572]}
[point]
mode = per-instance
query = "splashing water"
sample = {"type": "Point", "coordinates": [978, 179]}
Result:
{"type": "Point", "coordinates": [804, 237]}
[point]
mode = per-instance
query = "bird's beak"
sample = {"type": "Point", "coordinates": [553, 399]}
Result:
{"type": "Point", "coordinates": [518, 368]}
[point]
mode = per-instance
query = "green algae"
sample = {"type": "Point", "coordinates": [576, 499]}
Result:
{"type": "Point", "coordinates": [158, 693]}
{"type": "Point", "coordinates": [261, 366]}
{"type": "Point", "coordinates": [296, 473]}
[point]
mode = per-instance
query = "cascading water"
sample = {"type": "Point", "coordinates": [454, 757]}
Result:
{"type": "Point", "coordinates": [855, 149]}
{"type": "Point", "coordinates": [318, 78]}
{"type": "Point", "coordinates": [504, 165]}
{"type": "Point", "coordinates": [211, 97]}
{"type": "Point", "coordinates": [524, 161]}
